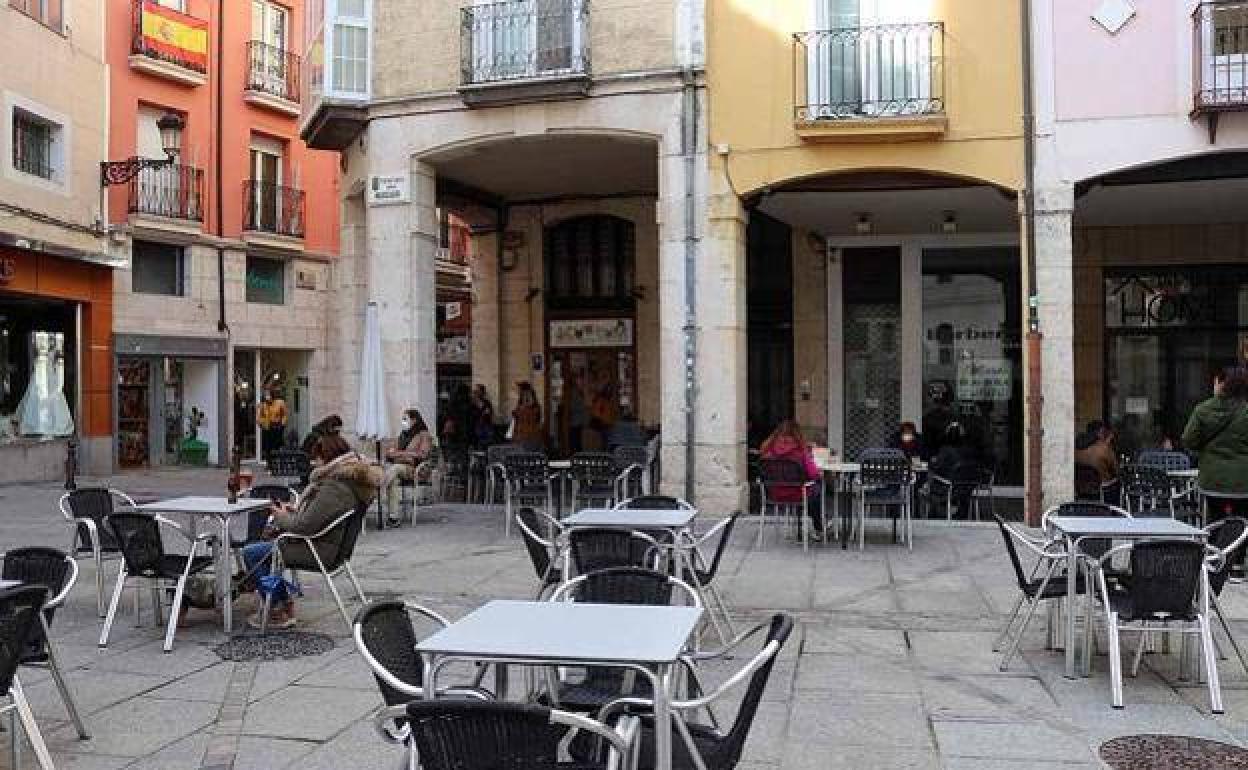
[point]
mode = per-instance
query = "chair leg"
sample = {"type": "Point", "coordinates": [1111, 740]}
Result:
{"type": "Point", "coordinates": [1217, 608]}
{"type": "Point", "coordinates": [355, 583]}
{"type": "Point", "coordinates": [1018, 637]}
{"type": "Point", "coordinates": [1211, 664]}
{"type": "Point", "coordinates": [30, 726]}
{"type": "Point", "coordinates": [862, 521]}
{"type": "Point", "coordinates": [1139, 651]}
{"type": "Point", "coordinates": [58, 678]}
{"type": "Point", "coordinates": [112, 606]}
{"type": "Point", "coordinates": [174, 608]}
{"type": "Point", "coordinates": [1115, 661]}
{"type": "Point", "coordinates": [15, 743]}
{"type": "Point", "coordinates": [99, 577]}
{"type": "Point", "coordinates": [1001, 637]}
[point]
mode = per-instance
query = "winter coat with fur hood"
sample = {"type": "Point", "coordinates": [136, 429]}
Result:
{"type": "Point", "coordinates": [349, 482]}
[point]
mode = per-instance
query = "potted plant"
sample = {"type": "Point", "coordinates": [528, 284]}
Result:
{"type": "Point", "coordinates": [192, 451]}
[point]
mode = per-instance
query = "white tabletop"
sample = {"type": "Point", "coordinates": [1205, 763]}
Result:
{"type": "Point", "coordinates": [635, 518]}
{"type": "Point", "coordinates": [565, 631]}
{"type": "Point", "coordinates": [559, 465]}
{"type": "Point", "coordinates": [7, 584]}
{"type": "Point", "coordinates": [1184, 473]}
{"type": "Point", "coordinates": [214, 506]}
{"type": "Point", "coordinates": [1120, 527]}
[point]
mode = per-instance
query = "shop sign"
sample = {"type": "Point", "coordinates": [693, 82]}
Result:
{"type": "Point", "coordinates": [594, 333]}
{"type": "Point", "coordinates": [455, 350]}
{"type": "Point", "coordinates": [1175, 299]}
{"type": "Point", "coordinates": [389, 189]}
{"type": "Point", "coordinates": [985, 379]}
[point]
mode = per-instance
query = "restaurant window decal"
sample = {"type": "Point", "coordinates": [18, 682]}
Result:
{"type": "Point", "coordinates": [1180, 298]}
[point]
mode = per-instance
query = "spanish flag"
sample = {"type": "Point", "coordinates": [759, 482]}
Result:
{"type": "Point", "coordinates": [175, 37]}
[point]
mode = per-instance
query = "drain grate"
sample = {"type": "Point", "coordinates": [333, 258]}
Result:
{"type": "Point", "coordinates": [277, 645]}
{"type": "Point", "coordinates": [1170, 752]}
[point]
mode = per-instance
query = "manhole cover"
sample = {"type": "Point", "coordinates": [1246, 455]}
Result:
{"type": "Point", "coordinates": [278, 645]}
{"type": "Point", "coordinates": [1170, 752]}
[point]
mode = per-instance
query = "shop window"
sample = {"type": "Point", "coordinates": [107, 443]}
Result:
{"type": "Point", "coordinates": [36, 145]}
{"type": "Point", "coordinates": [158, 268]}
{"type": "Point", "coordinates": [46, 12]}
{"type": "Point", "coordinates": [37, 368]}
{"type": "Point", "coordinates": [266, 280]}
{"type": "Point", "coordinates": [589, 263]}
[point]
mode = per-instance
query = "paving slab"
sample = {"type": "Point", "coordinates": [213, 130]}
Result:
{"type": "Point", "coordinates": [307, 713]}
{"type": "Point", "coordinates": [1010, 740]}
{"type": "Point", "coordinates": [136, 727]}
{"type": "Point", "coordinates": [829, 721]}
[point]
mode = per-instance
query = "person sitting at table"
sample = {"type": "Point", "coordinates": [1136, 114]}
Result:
{"type": "Point", "coordinates": [412, 448]}
{"type": "Point", "coordinates": [786, 442]}
{"type": "Point", "coordinates": [909, 440]}
{"type": "Point", "coordinates": [955, 453]}
{"type": "Point", "coordinates": [343, 481]}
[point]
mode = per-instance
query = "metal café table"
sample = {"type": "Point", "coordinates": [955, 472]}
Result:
{"type": "Point", "coordinates": [644, 638]}
{"type": "Point", "coordinates": [677, 521]}
{"type": "Point", "coordinates": [1076, 529]}
{"type": "Point", "coordinates": [222, 510]}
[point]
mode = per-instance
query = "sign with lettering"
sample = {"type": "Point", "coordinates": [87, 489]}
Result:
{"type": "Point", "coordinates": [604, 333]}
{"type": "Point", "coordinates": [1167, 299]}
{"type": "Point", "coordinates": [985, 379]}
{"type": "Point", "coordinates": [388, 189]}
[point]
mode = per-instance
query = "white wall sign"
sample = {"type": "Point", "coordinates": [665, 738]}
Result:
{"type": "Point", "coordinates": [604, 333]}
{"type": "Point", "coordinates": [386, 189]}
{"type": "Point", "coordinates": [985, 379]}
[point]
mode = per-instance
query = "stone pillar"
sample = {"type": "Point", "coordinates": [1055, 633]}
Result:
{"type": "Point", "coordinates": [402, 248]}
{"type": "Point", "coordinates": [1055, 296]}
{"type": "Point", "coordinates": [719, 474]}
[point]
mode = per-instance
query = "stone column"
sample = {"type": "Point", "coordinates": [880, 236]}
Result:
{"type": "Point", "coordinates": [719, 413]}
{"type": "Point", "coordinates": [402, 248]}
{"type": "Point", "coordinates": [1055, 295]}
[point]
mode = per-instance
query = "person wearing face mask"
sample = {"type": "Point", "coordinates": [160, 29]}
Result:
{"type": "Point", "coordinates": [909, 440]}
{"type": "Point", "coordinates": [411, 449]}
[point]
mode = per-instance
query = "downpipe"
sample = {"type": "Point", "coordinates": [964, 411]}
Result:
{"type": "Point", "coordinates": [1034, 342]}
{"type": "Point", "coordinates": [689, 141]}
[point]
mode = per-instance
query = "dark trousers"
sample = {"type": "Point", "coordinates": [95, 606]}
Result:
{"type": "Point", "coordinates": [271, 439]}
{"type": "Point", "coordinates": [1223, 507]}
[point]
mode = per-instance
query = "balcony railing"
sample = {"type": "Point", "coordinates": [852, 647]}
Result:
{"type": "Point", "coordinates": [892, 70]}
{"type": "Point", "coordinates": [272, 208]}
{"type": "Point", "coordinates": [524, 39]}
{"type": "Point", "coordinates": [175, 192]}
{"type": "Point", "coordinates": [1220, 50]}
{"type": "Point", "coordinates": [165, 34]}
{"type": "Point", "coordinates": [272, 71]}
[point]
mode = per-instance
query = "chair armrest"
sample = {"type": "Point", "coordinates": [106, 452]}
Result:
{"type": "Point", "coordinates": [59, 599]}
{"type": "Point", "coordinates": [203, 537]}
{"type": "Point", "coordinates": [308, 538]}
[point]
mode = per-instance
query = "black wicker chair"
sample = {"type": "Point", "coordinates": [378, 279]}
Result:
{"type": "Point", "coordinates": [617, 585]}
{"type": "Point", "coordinates": [85, 509]}
{"type": "Point", "coordinates": [57, 572]}
{"type": "Point", "coordinates": [526, 481]}
{"type": "Point", "coordinates": [496, 470]}
{"type": "Point", "coordinates": [303, 553]}
{"type": "Point", "coordinates": [594, 479]}
{"type": "Point", "coordinates": [474, 735]}
{"type": "Point", "coordinates": [1146, 490]}
{"type": "Point", "coordinates": [885, 481]}
{"type": "Point", "coordinates": [701, 575]}
{"type": "Point", "coordinates": [144, 557]}
{"type": "Point", "coordinates": [545, 554]}
{"type": "Point", "coordinates": [292, 464]}
{"type": "Point", "coordinates": [1227, 536]}
{"type": "Point", "coordinates": [1049, 586]}
{"type": "Point", "coordinates": [632, 466]}
{"type": "Point", "coordinates": [967, 484]}
{"type": "Point", "coordinates": [454, 472]}
{"type": "Point", "coordinates": [596, 548]}
{"type": "Point", "coordinates": [20, 610]}
{"type": "Point", "coordinates": [788, 478]}
{"type": "Point", "coordinates": [1184, 502]}
{"type": "Point", "coordinates": [718, 750]}
{"type": "Point", "coordinates": [1168, 587]}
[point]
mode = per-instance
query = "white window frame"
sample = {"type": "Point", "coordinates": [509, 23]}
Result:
{"type": "Point", "coordinates": [62, 144]}
{"type": "Point", "coordinates": [334, 19]}
{"type": "Point", "coordinates": [1232, 70]}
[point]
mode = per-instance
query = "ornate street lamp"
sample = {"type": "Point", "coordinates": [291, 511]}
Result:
{"type": "Point", "coordinates": [121, 171]}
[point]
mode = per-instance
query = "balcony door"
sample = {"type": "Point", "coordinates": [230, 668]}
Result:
{"type": "Point", "coordinates": [866, 61]}
{"type": "Point", "coordinates": [1224, 30]}
{"type": "Point", "coordinates": [526, 38]}
{"type": "Point", "coordinates": [168, 191]}
{"type": "Point", "coordinates": [266, 184]}
{"type": "Point", "coordinates": [268, 60]}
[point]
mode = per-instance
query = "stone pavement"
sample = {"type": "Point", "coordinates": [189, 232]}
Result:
{"type": "Point", "coordinates": [890, 666]}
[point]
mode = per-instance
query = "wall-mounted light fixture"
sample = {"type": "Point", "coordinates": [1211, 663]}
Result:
{"type": "Point", "coordinates": [862, 223]}
{"type": "Point", "coordinates": [949, 223]}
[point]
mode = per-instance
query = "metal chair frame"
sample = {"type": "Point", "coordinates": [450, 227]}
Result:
{"type": "Point", "coordinates": [520, 473]}
{"type": "Point", "coordinates": [1217, 562]}
{"type": "Point", "coordinates": [278, 564]}
{"type": "Point", "coordinates": [882, 469]}
{"type": "Point", "coordinates": [18, 707]}
{"type": "Point", "coordinates": [1050, 556]}
{"type": "Point", "coordinates": [156, 583]}
{"type": "Point", "coordinates": [556, 549]}
{"type": "Point", "coordinates": [496, 470]}
{"type": "Point", "coordinates": [786, 508]}
{"type": "Point", "coordinates": [91, 526]}
{"type": "Point", "coordinates": [589, 468]}
{"type": "Point", "coordinates": [983, 483]}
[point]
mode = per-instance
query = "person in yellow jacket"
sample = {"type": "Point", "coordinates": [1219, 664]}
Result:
{"type": "Point", "coordinates": [271, 415]}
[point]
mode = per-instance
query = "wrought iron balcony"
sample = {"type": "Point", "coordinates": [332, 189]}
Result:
{"type": "Point", "coordinates": [1220, 59]}
{"type": "Point", "coordinates": [173, 191]}
{"type": "Point", "coordinates": [168, 36]}
{"type": "Point", "coordinates": [872, 72]}
{"type": "Point", "coordinates": [522, 39]}
{"type": "Point", "coordinates": [272, 71]}
{"type": "Point", "coordinates": [272, 208]}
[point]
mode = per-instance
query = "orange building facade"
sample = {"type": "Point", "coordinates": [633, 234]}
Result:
{"type": "Point", "coordinates": [231, 247]}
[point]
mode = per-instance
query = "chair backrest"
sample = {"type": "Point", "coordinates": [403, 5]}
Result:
{"type": "Point", "coordinates": [779, 473]}
{"type": "Point", "coordinates": [19, 617]}
{"type": "Point", "coordinates": [288, 463]}
{"type": "Point", "coordinates": [598, 548]}
{"type": "Point", "coordinates": [728, 753]}
{"type": "Point", "coordinates": [539, 554]}
{"type": "Point", "coordinates": [385, 630]}
{"type": "Point", "coordinates": [1008, 534]}
{"type": "Point", "coordinates": [37, 565]}
{"type": "Point", "coordinates": [496, 453]}
{"type": "Point", "coordinates": [276, 493]}
{"type": "Point", "coordinates": [452, 734]}
{"type": "Point", "coordinates": [94, 503]}
{"type": "Point", "coordinates": [1227, 535]}
{"type": "Point", "coordinates": [456, 460]}
{"type": "Point", "coordinates": [1166, 459]}
{"type": "Point", "coordinates": [630, 455]}
{"type": "Point", "coordinates": [351, 529]}
{"type": "Point", "coordinates": [623, 585]}
{"type": "Point", "coordinates": [138, 536]}
{"type": "Point", "coordinates": [526, 468]}
{"type": "Point", "coordinates": [654, 503]}
{"type": "Point", "coordinates": [882, 467]}
{"type": "Point", "coordinates": [1165, 576]}
{"type": "Point", "coordinates": [1094, 547]}
{"type": "Point", "coordinates": [1148, 486]}
{"type": "Point", "coordinates": [725, 536]}
{"type": "Point", "coordinates": [593, 467]}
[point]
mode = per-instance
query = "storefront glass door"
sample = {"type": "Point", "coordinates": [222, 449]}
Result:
{"type": "Point", "coordinates": [872, 347]}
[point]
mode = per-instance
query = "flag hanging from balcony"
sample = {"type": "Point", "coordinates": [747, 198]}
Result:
{"type": "Point", "coordinates": [175, 36]}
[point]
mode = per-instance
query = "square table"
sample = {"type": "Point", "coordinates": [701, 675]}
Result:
{"type": "Point", "coordinates": [1075, 529]}
{"type": "Point", "coordinates": [222, 510]}
{"type": "Point", "coordinates": [645, 638]}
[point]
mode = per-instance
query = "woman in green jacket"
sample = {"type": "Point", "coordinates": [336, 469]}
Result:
{"type": "Point", "coordinates": [1218, 433]}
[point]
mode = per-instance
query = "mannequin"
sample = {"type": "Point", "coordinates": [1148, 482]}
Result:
{"type": "Point", "coordinates": [43, 410]}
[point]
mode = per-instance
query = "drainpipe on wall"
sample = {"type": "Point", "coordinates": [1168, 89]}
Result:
{"type": "Point", "coordinates": [1035, 392]}
{"type": "Point", "coordinates": [503, 214]}
{"type": "Point", "coordinates": [689, 142]}
{"type": "Point", "coordinates": [224, 393]}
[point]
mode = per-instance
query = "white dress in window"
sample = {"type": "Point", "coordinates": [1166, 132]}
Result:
{"type": "Point", "coordinates": [43, 410]}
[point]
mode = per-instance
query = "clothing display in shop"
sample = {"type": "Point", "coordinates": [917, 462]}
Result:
{"type": "Point", "coordinates": [43, 410]}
